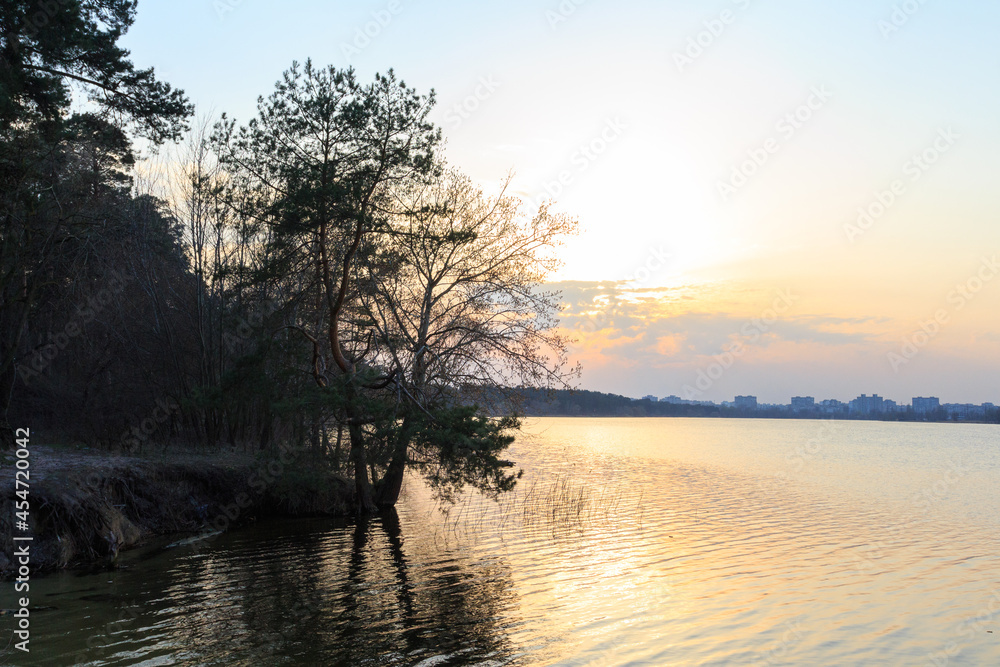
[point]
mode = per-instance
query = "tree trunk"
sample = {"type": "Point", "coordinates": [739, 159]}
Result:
{"type": "Point", "coordinates": [340, 439]}
{"type": "Point", "coordinates": [392, 482]}
{"type": "Point", "coordinates": [362, 485]}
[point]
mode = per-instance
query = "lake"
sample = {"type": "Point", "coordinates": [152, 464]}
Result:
{"type": "Point", "coordinates": [628, 542]}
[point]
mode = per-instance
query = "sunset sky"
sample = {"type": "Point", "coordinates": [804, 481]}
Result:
{"type": "Point", "coordinates": [716, 154]}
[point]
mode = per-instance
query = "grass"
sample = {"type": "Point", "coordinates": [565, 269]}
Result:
{"type": "Point", "coordinates": [560, 506]}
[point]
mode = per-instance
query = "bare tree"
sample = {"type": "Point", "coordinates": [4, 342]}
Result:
{"type": "Point", "coordinates": [456, 290]}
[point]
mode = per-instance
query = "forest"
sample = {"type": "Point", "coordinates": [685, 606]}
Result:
{"type": "Point", "coordinates": [317, 275]}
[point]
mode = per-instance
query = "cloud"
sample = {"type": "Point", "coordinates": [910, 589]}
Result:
{"type": "Point", "coordinates": [663, 326]}
{"type": "Point", "coordinates": [639, 340]}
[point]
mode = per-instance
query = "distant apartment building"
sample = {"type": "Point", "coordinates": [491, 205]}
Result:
{"type": "Point", "coordinates": [833, 406]}
{"type": "Point", "coordinates": [673, 400]}
{"type": "Point", "coordinates": [803, 403]}
{"type": "Point", "coordinates": [746, 402]}
{"type": "Point", "coordinates": [654, 399]}
{"type": "Point", "coordinates": [868, 405]}
{"type": "Point", "coordinates": [924, 405]}
{"type": "Point", "coordinates": [963, 411]}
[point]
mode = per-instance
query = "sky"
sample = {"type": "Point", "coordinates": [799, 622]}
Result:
{"type": "Point", "coordinates": [776, 197]}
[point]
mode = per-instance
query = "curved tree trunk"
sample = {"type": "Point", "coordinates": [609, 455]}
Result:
{"type": "Point", "coordinates": [392, 483]}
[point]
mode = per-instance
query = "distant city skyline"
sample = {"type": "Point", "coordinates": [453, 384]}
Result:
{"type": "Point", "coordinates": [864, 403]}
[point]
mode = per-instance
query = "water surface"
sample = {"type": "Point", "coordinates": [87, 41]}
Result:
{"type": "Point", "coordinates": [672, 542]}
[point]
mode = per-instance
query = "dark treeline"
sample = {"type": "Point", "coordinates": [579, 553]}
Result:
{"type": "Point", "coordinates": [581, 403]}
{"type": "Point", "coordinates": [315, 276]}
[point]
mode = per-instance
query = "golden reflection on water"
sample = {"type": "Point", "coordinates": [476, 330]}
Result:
{"type": "Point", "coordinates": [629, 542]}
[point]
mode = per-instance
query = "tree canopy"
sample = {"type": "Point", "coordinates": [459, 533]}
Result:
{"type": "Point", "coordinates": [48, 47]}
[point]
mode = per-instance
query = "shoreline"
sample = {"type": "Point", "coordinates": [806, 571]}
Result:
{"type": "Point", "coordinates": [826, 418]}
{"type": "Point", "coordinates": [86, 509]}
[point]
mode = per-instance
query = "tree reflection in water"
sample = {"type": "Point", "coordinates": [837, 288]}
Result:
{"type": "Point", "coordinates": [361, 594]}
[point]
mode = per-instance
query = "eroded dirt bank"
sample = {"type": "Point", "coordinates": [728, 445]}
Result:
{"type": "Point", "coordinates": [85, 508]}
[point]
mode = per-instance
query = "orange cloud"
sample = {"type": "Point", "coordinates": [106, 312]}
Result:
{"type": "Point", "coordinates": [669, 346]}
